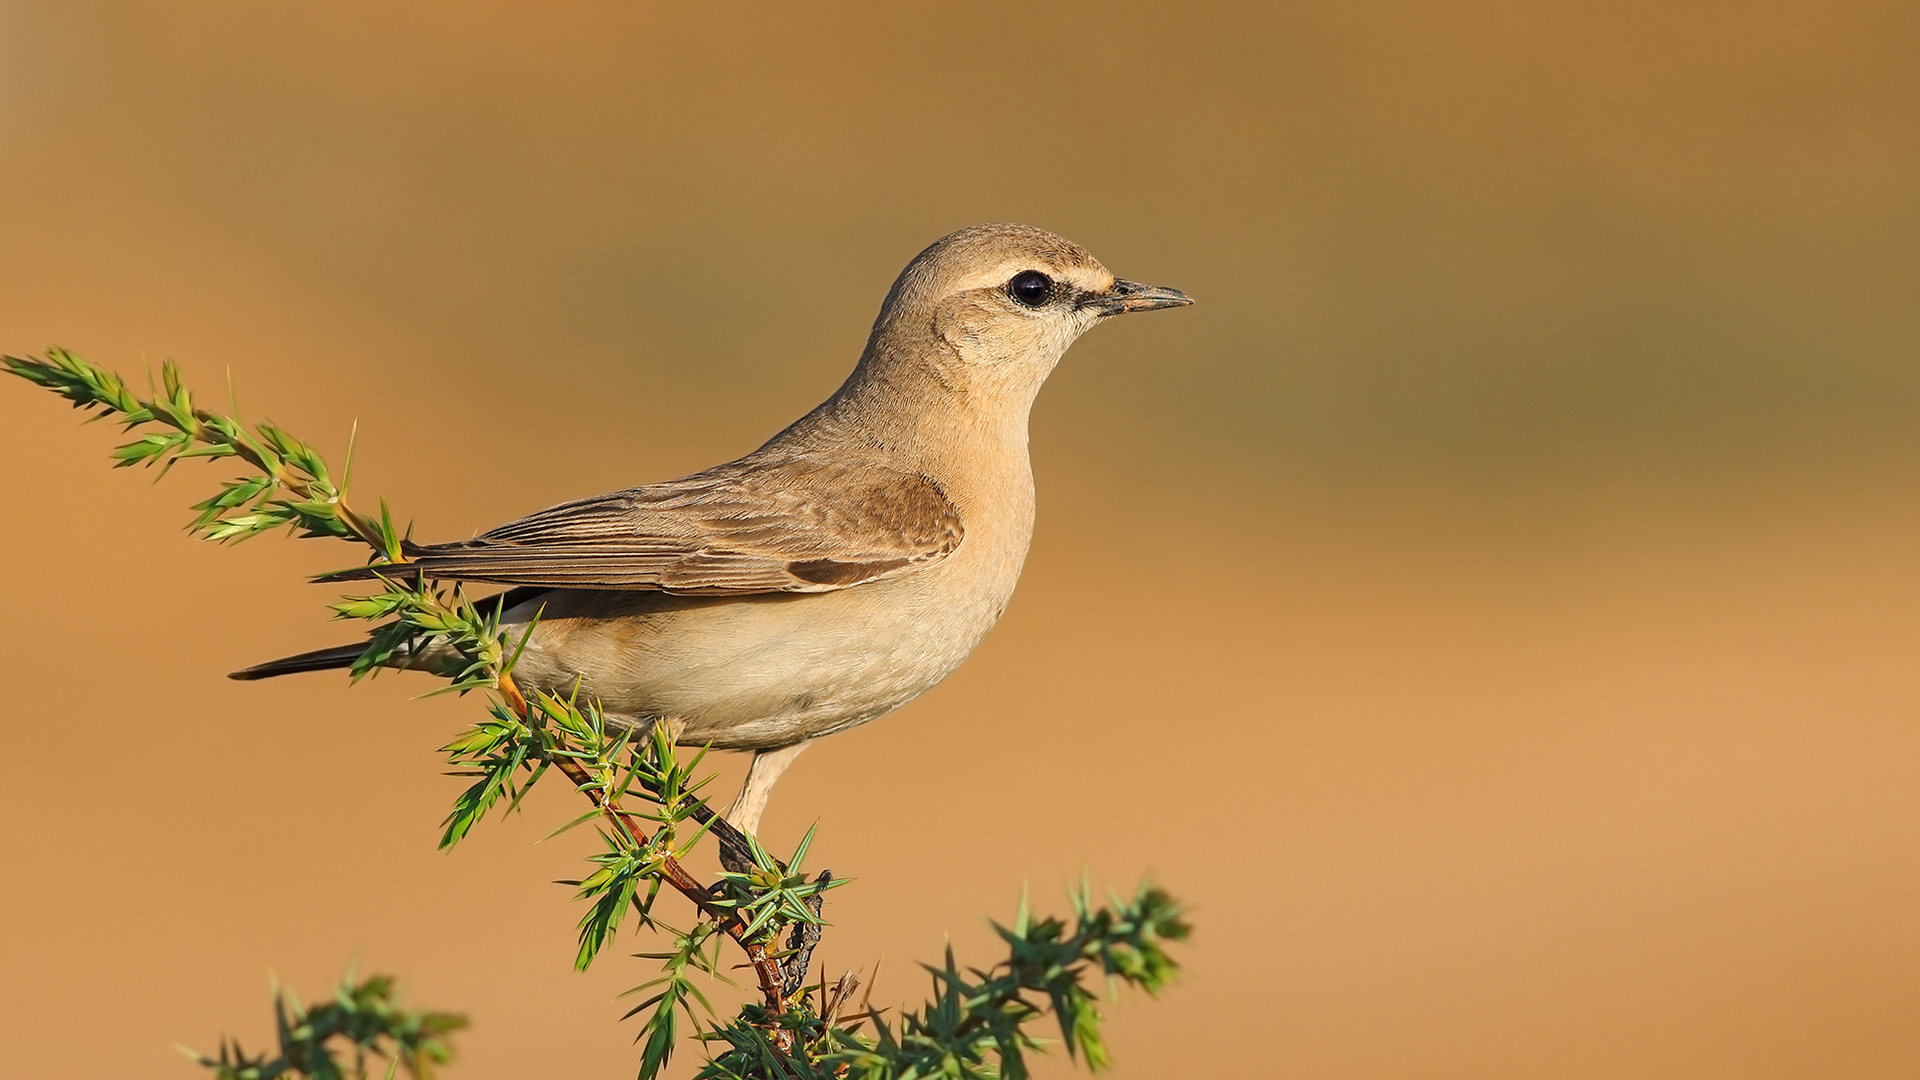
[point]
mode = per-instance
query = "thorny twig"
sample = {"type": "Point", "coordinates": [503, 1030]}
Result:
{"type": "Point", "coordinates": [767, 970]}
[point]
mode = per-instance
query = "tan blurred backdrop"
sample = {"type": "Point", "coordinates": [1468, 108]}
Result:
{"type": "Point", "coordinates": [1495, 606]}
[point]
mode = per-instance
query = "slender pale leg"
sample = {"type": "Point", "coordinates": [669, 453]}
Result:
{"type": "Point", "coordinates": [766, 768]}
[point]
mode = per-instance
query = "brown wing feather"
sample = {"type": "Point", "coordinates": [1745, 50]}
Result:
{"type": "Point", "coordinates": [749, 527]}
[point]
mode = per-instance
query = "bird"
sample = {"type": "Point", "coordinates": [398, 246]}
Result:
{"type": "Point", "coordinates": [835, 573]}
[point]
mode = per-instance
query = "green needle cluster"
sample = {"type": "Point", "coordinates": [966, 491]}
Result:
{"type": "Point", "coordinates": [336, 1039]}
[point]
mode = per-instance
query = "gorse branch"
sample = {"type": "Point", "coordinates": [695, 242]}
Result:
{"type": "Point", "coordinates": [645, 806]}
{"type": "Point", "coordinates": [293, 489]}
{"type": "Point", "coordinates": [975, 1026]}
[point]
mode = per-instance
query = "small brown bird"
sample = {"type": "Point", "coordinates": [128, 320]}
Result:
{"type": "Point", "coordinates": [837, 572]}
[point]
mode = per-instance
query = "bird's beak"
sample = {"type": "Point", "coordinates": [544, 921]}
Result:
{"type": "Point", "coordinates": [1128, 296]}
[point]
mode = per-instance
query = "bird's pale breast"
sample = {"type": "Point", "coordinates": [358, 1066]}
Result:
{"type": "Point", "coordinates": [768, 670]}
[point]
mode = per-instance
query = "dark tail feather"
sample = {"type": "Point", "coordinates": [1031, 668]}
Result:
{"type": "Point", "coordinates": [344, 655]}
{"type": "Point", "coordinates": [317, 660]}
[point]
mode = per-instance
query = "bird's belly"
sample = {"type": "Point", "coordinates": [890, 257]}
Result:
{"type": "Point", "coordinates": [757, 671]}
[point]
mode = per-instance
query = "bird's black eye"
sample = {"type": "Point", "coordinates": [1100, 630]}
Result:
{"type": "Point", "coordinates": [1031, 287]}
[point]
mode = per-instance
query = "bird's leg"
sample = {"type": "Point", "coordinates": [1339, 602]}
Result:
{"type": "Point", "coordinates": [766, 768]}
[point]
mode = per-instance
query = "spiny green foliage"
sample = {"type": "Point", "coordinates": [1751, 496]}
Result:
{"type": "Point", "coordinates": [975, 1026]}
{"type": "Point", "coordinates": [770, 896]}
{"type": "Point", "coordinates": [505, 756]}
{"type": "Point", "coordinates": [441, 626]}
{"type": "Point", "coordinates": [643, 797]}
{"type": "Point", "coordinates": [293, 488]}
{"type": "Point", "coordinates": [697, 949]}
{"type": "Point", "coordinates": [363, 1018]}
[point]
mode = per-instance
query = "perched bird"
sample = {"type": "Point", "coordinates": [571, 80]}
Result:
{"type": "Point", "coordinates": [837, 572]}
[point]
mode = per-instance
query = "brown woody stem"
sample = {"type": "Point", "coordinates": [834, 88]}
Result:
{"type": "Point", "coordinates": [765, 968]}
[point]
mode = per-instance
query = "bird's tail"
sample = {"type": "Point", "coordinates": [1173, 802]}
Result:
{"type": "Point", "coordinates": [344, 655]}
{"type": "Point", "coordinates": [318, 660]}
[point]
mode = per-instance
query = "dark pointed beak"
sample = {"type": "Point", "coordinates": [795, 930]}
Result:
{"type": "Point", "coordinates": [1128, 296]}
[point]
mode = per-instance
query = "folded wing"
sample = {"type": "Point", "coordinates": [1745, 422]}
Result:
{"type": "Point", "coordinates": [798, 525]}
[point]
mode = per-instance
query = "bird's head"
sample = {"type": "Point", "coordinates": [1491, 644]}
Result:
{"type": "Point", "coordinates": [991, 308]}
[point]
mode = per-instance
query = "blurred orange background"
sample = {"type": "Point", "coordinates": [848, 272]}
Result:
{"type": "Point", "coordinates": [1494, 606]}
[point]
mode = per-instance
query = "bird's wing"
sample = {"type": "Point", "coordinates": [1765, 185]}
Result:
{"type": "Point", "coordinates": [793, 526]}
